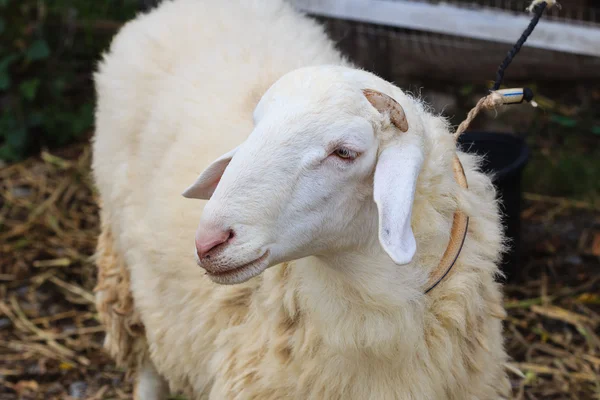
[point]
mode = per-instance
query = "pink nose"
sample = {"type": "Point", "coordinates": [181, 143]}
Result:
{"type": "Point", "coordinates": [209, 239]}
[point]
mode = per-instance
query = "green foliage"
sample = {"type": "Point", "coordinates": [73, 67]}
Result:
{"type": "Point", "coordinates": [48, 51]}
{"type": "Point", "coordinates": [564, 162]}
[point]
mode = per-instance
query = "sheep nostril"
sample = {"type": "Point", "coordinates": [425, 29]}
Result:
{"type": "Point", "coordinates": [209, 240]}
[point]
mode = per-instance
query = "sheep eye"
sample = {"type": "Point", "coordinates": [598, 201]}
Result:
{"type": "Point", "coordinates": [345, 154]}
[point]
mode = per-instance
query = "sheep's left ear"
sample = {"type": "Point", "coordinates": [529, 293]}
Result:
{"type": "Point", "coordinates": [394, 189]}
{"type": "Point", "coordinates": [207, 182]}
{"type": "Point", "coordinates": [395, 183]}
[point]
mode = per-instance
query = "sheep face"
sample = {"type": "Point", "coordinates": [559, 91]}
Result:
{"type": "Point", "coordinates": [323, 171]}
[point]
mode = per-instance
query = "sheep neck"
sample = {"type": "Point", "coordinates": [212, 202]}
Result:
{"type": "Point", "coordinates": [361, 303]}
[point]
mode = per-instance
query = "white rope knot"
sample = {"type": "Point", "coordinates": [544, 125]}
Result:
{"type": "Point", "coordinates": [550, 4]}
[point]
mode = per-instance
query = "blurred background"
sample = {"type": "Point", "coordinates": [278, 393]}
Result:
{"type": "Point", "coordinates": [545, 157]}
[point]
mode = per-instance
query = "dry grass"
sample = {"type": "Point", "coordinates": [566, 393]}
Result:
{"type": "Point", "coordinates": [553, 325]}
{"type": "Point", "coordinates": [50, 339]}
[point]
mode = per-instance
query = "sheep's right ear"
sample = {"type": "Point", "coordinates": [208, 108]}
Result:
{"type": "Point", "coordinates": [207, 182]}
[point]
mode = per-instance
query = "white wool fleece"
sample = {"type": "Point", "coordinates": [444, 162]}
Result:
{"type": "Point", "coordinates": [333, 315]}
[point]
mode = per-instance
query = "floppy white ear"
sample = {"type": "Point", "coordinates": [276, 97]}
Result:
{"type": "Point", "coordinates": [394, 188]}
{"type": "Point", "coordinates": [207, 181]}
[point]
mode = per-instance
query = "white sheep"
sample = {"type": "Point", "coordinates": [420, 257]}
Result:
{"type": "Point", "coordinates": [331, 206]}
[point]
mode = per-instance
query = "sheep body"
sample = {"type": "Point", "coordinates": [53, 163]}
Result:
{"type": "Point", "coordinates": [176, 90]}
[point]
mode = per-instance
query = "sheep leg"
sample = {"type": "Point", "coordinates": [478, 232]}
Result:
{"type": "Point", "coordinates": [149, 384]}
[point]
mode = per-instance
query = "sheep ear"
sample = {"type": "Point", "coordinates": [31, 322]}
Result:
{"type": "Point", "coordinates": [207, 182]}
{"type": "Point", "coordinates": [394, 188]}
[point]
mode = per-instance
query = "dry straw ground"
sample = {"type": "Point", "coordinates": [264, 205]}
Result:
{"type": "Point", "coordinates": [50, 338]}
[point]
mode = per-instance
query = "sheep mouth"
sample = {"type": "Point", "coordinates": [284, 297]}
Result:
{"type": "Point", "coordinates": [242, 273]}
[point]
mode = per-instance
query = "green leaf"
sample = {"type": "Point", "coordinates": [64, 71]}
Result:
{"type": "Point", "coordinates": [4, 81]}
{"type": "Point", "coordinates": [7, 61]}
{"type": "Point", "coordinates": [29, 88]}
{"type": "Point", "coordinates": [466, 90]}
{"type": "Point", "coordinates": [38, 50]}
{"type": "Point", "coordinates": [83, 120]}
{"type": "Point", "coordinates": [15, 138]}
{"type": "Point", "coordinates": [36, 118]}
{"type": "Point", "coordinates": [564, 121]}
{"type": "Point", "coordinates": [4, 75]}
{"type": "Point", "coordinates": [58, 86]}
{"type": "Point", "coordinates": [8, 153]}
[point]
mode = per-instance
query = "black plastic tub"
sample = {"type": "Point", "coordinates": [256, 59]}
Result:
{"type": "Point", "coordinates": [505, 156]}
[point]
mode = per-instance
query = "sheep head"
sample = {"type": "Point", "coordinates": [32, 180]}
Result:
{"type": "Point", "coordinates": [331, 165]}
